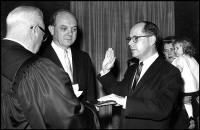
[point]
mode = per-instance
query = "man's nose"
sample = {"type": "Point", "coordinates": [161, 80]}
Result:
{"type": "Point", "coordinates": [69, 31]}
{"type": "Point", "coordinates": [131, 43]}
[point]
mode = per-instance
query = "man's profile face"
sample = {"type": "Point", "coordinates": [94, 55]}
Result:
{"type": "Point", "coordinates": [169, 52]}
{"type": "Point", "coordinates": [139, 49]}
{"type": "Point", "coordinates": [65, 29]}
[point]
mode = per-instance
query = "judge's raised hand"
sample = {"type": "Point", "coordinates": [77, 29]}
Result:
{"type": "Point", "coordinates": [109, 60]}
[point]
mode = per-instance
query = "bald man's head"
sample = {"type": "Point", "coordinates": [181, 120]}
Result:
{"type": "Point", "coordinates": [24, 15]}
{"type": "Point", "coordinates": [25, 25]}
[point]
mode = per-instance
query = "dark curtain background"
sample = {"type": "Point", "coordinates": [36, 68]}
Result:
{"type": "Point", "coordinates": [107, 23]}
{"type": "Point", "coordinates": [182, 19]}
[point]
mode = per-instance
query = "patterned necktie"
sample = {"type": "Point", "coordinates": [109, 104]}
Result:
{"type": "Point", "coordinates": [68, 67]}
{"type": "Point", "coordinates": [137, 75]}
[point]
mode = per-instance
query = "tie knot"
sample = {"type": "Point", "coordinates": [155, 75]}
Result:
{"type": "Point", "coordinates": [139, 68]}
{"type": "Point", "coordinates": [67, 56]}
{"type": "Point", "coordinates": [66, 51]}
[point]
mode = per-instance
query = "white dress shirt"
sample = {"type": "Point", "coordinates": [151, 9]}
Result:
{"type": "Point", "coordinates": [61, 55]}
{"type": "Point", "coordinates": [147, 63]}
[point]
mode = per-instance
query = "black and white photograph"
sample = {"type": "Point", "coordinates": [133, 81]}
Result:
{"type": "Point", "coordinates": [99, 64]}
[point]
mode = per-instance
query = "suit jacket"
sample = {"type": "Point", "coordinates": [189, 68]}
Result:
{"type": "Point", "coordinates": [152, 101]}
{"type": "Point", "coordinates": [83, 71]}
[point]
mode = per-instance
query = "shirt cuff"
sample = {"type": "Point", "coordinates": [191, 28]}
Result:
{"type": "Point", "coordinates": [124, 103]}
{"type": "Point", "coordinates": [102, 73]}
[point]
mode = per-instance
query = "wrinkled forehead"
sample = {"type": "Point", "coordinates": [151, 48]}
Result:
{"type": "Point", "coordinates": [137, 30]}
{"type": "Point", "coordinates": [65, 18]}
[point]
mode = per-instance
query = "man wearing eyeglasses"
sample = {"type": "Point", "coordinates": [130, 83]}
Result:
{"type": "Point", "coordinates": [150, 87]}
{"type": "Point", "coordinates": [37, 95]}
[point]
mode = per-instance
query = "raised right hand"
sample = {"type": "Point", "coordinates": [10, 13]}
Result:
{"type": "Point", "coordinates": [109, 60]}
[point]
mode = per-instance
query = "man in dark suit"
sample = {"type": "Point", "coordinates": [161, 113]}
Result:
{"type": "Point", "coordinates": [150, 88]}
{"type": "Point", "coordinates": [63, 28]}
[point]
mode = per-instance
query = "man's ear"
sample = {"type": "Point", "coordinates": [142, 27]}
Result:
{"type": "Point", "coordinates": [34, 29]}
{"type": "Point", "coordinates": [33, 32]}
{"type": "Point", "coordinates": [51, 29]}
{"type": "Point", "coordinates": [152, 40]}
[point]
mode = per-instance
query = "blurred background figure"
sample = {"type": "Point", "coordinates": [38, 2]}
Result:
{"type": "Point", "coordinates": [168, 48]}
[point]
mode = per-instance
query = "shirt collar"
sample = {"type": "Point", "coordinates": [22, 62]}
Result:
{"type": "Point", "coordinates": [147, 63]}
{"type": "Point", "coordinates": [60, 49]}
{"type": "Point", "coordinates": [151, 59]}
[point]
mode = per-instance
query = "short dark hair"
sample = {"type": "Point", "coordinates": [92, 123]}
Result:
{"type": "Point", "coordinates": [152, 29]}
{"type": "Point", "coordinates": [53, 16]}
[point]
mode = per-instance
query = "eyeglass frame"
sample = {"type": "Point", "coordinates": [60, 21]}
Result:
{"type": "Point", "coordinates": [45, 34]}
{"type": "Point", "coordinates": [135, 38]}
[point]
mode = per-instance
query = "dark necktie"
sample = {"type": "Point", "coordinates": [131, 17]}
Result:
{"type": "Point", "coordinates": [137, 75]}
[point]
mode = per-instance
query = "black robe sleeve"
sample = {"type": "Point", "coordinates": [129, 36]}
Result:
{"type": "Point", "coordinates": [46, 96]}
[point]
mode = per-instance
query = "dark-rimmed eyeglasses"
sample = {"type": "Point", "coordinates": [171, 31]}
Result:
{"type": "Point", "coordinates": [135, 38]}
{"type": "Point", "coordinates": [45, 34]}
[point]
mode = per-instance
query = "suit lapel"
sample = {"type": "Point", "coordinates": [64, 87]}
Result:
{"type": "Point", "coordinates": [152, 70]}
{"type": "Point", "coordinates": [75, 63]}
{"type": "Point", "coordinates": [53, 56]}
